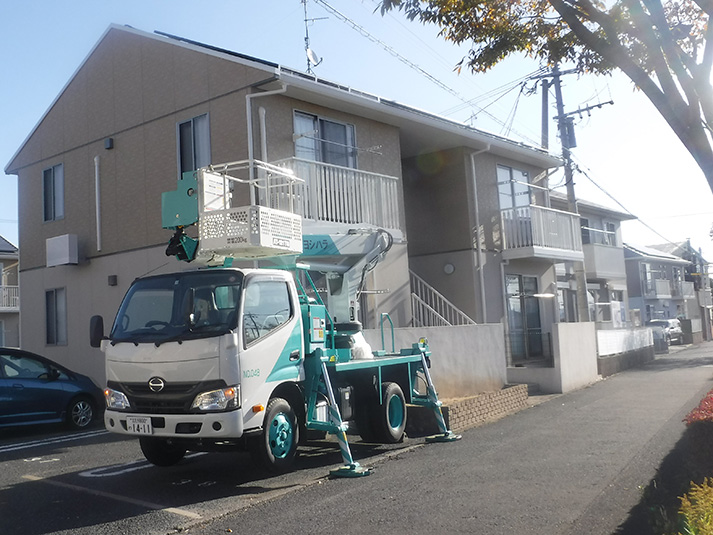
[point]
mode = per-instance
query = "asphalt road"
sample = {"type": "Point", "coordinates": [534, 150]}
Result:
{"type": "Point", "coordinates": [573, 464]}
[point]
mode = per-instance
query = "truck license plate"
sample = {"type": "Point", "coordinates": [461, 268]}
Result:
{"type": "Point", "coordinates": [140, 425]}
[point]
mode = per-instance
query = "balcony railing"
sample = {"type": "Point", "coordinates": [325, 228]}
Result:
{"type": "Point", "coordinates": [538, 226]}
{"type": "Point", "coordinates": [9, 298]}
{"type": "Point", "coordinates": [657, 289]}
{"type": "Point", "coordinates": [340, 194]}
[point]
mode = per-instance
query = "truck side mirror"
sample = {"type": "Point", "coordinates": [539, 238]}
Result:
{"type": "Point", "coordinates": [96, 331]}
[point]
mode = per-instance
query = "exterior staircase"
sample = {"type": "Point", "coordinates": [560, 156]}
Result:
{"type": "Point", "coordinates": [431, 309]}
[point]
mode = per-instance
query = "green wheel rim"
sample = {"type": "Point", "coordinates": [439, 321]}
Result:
{"type": "Point", "coordinates": [280, 436]}
{"type": "Point", "coordinates": [396, 412]}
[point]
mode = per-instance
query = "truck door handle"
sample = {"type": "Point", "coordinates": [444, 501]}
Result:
{"type": "Point", "coordinates": [295, 355]}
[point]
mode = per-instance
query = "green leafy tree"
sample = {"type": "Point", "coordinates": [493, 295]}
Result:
{"type": "Point", "coordinates": [664, 47]}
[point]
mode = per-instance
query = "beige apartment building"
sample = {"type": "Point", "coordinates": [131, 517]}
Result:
{"type": "Point", "coordinates": [474, 238]}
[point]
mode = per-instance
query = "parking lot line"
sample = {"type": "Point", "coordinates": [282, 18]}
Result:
{"type": "Point", "coordinates": [45, 441]}
{"type": "Point", "coordinates": [125, 499]}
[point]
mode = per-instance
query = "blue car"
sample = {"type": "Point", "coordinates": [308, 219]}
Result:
{"type": "Point", "coordinates": [35, 390]}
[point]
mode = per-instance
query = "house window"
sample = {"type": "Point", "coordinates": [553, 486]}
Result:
{"type": "Point", "coordinates": [600, 305]}
{"type": "Point", "coordinates": [53, 192]}
{"type": "Point", "coordinates": [193, 144]}
{"type": "Point", "coordinates": [321, 140]}
{"type": "Point", "coordinates": [609, 233]}
{"type": "Point", "coordinates": [56, 316]}
{"type": "Point", "coordinates": [513, 188]}
{"type": "Point", "coordinates": [586, 237]}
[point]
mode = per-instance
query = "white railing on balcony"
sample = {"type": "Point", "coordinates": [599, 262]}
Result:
{"type": "Point", "coordinates": [9, 298]}
{"type": "Point", "coordinates": [538, 226]}
{"type": "Point", "coordinates": [431, 309]}
{"type": "Point", "coordinates": [340, 194]}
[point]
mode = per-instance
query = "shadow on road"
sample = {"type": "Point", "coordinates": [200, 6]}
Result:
{"type": "Point", "coordinates": [691, 460]}
{"type": "Point", "coordinates": [84, 499]}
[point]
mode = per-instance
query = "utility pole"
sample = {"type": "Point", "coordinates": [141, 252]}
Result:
{"type": "Point", "coordinates": [580, 274]}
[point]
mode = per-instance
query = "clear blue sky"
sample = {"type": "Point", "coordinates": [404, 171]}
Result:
{"type": "Point", "coordinates": [626, 147]}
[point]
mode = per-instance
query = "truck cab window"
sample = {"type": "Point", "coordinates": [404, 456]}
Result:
{"type": "Point", "coordinates": [267, 306]}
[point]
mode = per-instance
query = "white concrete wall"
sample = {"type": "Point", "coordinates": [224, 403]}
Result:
{"type": "Point", "coordinates": [575, 361]}
{"type": "Point", "coordinates": [465, 360]}
{"type": "Point", "coordinates": [613, 342]}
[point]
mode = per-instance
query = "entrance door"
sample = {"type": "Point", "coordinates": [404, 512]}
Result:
{"type": "Point", "coordinates": [523, 317]}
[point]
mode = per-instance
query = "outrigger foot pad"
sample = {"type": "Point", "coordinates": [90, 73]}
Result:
{"type": "Point", "coordinates": [448, 436]}
{"type": "Point", "coordinates": [351, 470]}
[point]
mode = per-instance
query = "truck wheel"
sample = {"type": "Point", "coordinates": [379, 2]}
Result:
{"type": "Point", "coordinates": [160, 452]}
{"type": "Point", "coordinates": [276, 448]}
{"type": "Point", "coordinates": [392, 416]}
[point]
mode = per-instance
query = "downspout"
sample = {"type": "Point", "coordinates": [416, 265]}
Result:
{"type": "Point", "coordinates": [97, 202]}
{"type": "Point", "coordinates": [479, 251]}
{"type": "Point", "coordinates": [249, 116]}
{"type": "Point", "coordinates": [506, 323]}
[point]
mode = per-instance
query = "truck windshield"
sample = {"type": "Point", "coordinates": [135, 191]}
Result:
{"type": "Point", "coordinates": [179, 306]}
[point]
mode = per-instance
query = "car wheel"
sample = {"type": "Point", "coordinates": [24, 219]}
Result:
{"type": "Point", "coordinates": [80, 413]}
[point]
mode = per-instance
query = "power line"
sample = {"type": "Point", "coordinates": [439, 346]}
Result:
{"type": "Point", "coordinates": [364, 33]}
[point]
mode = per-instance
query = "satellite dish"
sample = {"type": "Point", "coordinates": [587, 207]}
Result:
{"type": "Point", "coordinates": [314, 58]}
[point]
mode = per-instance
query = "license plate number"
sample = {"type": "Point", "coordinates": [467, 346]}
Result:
{"type": "Point", "coordinates": [140, 425]}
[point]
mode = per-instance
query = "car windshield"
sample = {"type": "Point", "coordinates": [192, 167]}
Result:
{"type": "Point", "coordinates": [179, 307]}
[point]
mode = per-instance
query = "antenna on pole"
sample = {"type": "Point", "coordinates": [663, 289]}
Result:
{"type": "Point", "coordinates": [312, 58]}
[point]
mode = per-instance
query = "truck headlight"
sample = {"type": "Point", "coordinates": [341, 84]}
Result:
{"type": "Point", "coordinates": [116, 400]}
{"type": "Point", "coordinates": [218, 400]}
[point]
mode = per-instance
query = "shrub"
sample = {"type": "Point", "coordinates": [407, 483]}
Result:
{"type": "Point", "coordinates": [697, 509]}
{"type": "Point", "coordinates": [703, 412]}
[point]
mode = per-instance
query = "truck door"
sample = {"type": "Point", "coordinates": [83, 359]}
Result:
{"type": "Point", "coordinates": [272, 342]}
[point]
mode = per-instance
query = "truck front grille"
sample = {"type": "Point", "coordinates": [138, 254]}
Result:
{"type": "Point", "coordinates": [174, 398]}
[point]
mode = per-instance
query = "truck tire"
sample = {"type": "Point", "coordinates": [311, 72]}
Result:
{"type": "Point", "coordinates": [276, 447]}
{"type": "Point", "coordinates": [391, 423]}
{"type": "Point", "coordinates": [160, 452]}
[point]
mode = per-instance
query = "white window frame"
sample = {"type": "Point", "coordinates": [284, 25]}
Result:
{"type": "Point", "coordinates": [56, 317]}
{"type": "Point", "coordinates": [53, 193]}
{"type": "Point", "coordinates": [316, 136]}
{"type": "Point", "coordinates": [516, 187]}
{"type": "Point", "coordinates": [200, 143]}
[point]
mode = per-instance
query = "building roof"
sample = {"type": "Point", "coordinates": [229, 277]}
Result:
{"type": "Point", "coordinates": [649, 253]}
{"type": "Point", "coordinates": [6, 247]}
{"type": "Point", "coordinates": [591, 207]}
{"type": "Point", "coordinates": [419, 129]}
{"type": "Point", "coordinates": [682, 249]}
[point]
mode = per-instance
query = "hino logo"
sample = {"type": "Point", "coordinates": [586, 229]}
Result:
{"type": "Point", "coordinates": [156, 384]}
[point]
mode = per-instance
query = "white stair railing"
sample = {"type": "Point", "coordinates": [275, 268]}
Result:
{"type": "Point", "coordinates": [431, 309]}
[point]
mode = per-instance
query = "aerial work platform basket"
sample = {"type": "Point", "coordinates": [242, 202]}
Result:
{"type": "Point", "coordinates": [267, 227]}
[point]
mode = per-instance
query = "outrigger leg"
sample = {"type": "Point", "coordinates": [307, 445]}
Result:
{"type": "Point", "coordinates": [318, 381]}
{"type": "Point", "coordinates": [445, 435]}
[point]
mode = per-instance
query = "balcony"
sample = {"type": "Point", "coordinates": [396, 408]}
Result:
{"type": "Point", "coordinates": [331, 193]}
{"type": "Point", "coordinates": [657, 289]}
{"type": "Point", "coordinates": [604, 261]}
{"type": "Point", "coordinates": [540, 232]}
{"type": "Point", "coordinates": [682, 290]}
{"type": "Point", "coordinates": [9, 299]}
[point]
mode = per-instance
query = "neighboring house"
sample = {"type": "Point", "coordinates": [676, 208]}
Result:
{"type": "Point", "coordinates": [697, 311]}
{"type": "Point", "coordinates": [9, 295]}
{"type": "Point", "coordinates": [656, 283]}
{"type": "Point", "coordinates": [473, 233]}
{"type": "Point", "coordinates": [604, 266]}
